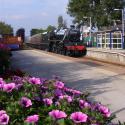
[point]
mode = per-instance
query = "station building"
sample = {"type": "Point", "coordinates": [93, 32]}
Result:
{"type": "Point", "coordinates": [107, 39]}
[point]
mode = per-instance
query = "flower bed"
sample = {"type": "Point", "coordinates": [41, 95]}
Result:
{"type": "Point", "coordinates": [4, 58]}
{"type": "Point", "coordinates": [10, 73]}
{"type": "Point", "coordinates": [30, 100]}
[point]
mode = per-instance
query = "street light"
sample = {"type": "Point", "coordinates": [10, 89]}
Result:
{"type": "Point", "coordinates": [90, 24]}
{"type": "Point", "coordinates": [123, 30]}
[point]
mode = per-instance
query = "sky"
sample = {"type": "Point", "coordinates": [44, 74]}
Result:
{"type": "Point", "coordinates": [30, 14]}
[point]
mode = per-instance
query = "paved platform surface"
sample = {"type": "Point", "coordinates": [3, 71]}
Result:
{"type": "Point", "coordinates": [107, 50]}
{"type": "Point", "coordinates": [105, 85]}
{"type": "Point", "coordinates": [116, 56]}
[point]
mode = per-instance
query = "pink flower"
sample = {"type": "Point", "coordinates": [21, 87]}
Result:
{"type": "Point", "coordinates": [107, 115]}
{"type": "Point", "coordinates": [57, 103]}
{"type": "Point", "coordinates": [25, 102]}
{"type": "Point", "coordinates": [69, 98]}
{"type": "Point", "coordinates": [66, 89]}
{"type": "Point", "coordinates": [76, 92]}
{"type": "Point", "coordinates": [32, 119]}
{"type": "Point", "coordinates": [84, 104]}
{"type": "Point", "coordinates": [56, 114]}
{"type": "Point", "coordinates": [48, 101]}
{"type": "Point", "coordinates": [2, 82]}
{"type": "Point", "coordinates": [34, 80]}
{"type": "Point", "coordinates": [2, 112]}
{"type": "Point", "coordinates": [78, 117]}
{"type": "Point", "coordinates": [4, 118]}
{"type": "Point", "coordinates": [9, 87]}
{"type": "Point", "coordinates": [59, 84]}
{"type": "Point", "coordinates": [104, 110]}
{"type": "Point", "coordinates": [58, 92]}
{"type": "Point", "coordinates": [61, 97]}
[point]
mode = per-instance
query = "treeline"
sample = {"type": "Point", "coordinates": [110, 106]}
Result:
{"type": "Point", "coordinates": [36, 31]}
{"type": "Point", "coordinates": [61, 24]}
{"type": "Point", "coordinates": [5, 28]}
{"type": "Point", "coordinates": [102, 12]}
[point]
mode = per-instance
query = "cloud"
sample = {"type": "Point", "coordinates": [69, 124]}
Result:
{"type": "Point", "coordinates": [44, 14]}
{"type": "Point", "coordinates": [33, 13]}
{"type": "Point", "coordinates": [14, 17]}
{"type": "Point", "coordinates": [15, 2]}
{"type": "Point", "coordinates": [17, 17]}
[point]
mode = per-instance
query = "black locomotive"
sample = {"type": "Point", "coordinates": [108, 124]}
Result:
{"type": "Point", "coordinates": [63, 41]}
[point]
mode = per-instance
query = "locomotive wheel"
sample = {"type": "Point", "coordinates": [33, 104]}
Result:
{"type": "Point", "coordinates": [72, 53]}
{"type": "Point", "coordinates": [67, 53]}
{"type": "Point", "coordinates": [81, 53]}
{"type": "Point", "coordinates": [64, 51]}
{"type": "Point", "coordinates": [58, 50]}
{"type": "Point", "coordinates": [54, 48]}
{"type": "Point", "coordinates": [84, 52]}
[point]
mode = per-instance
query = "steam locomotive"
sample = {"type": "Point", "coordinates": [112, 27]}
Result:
{"type": "Point", "coordinates": [63, 41]}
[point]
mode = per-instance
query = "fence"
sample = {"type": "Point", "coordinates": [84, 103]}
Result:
{"type": "Point", "coordinates": [110, 39]}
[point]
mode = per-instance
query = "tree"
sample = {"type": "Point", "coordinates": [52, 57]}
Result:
{"type": "Point", "coordinates": [21, 33]}
{"type": "Point", "coordinates": [60, 22]}
{"type": "Point", "coordinates": [5, 28]}
{"type": "Point", "coordinates": [50, 28]}
{"type": "Point", "coordinates": [64, 24]}
{"type": "Point", "coordinates": [36, 31]}
{"type": "Point", "coordinates": [101, 11]}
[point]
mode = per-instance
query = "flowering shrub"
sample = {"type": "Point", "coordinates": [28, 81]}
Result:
{"type": "Point", "coordinates": [10, 73]}
{"type": "Point", "coordinates": [4, 58]}
{"type": "Point", "coordinates": [37, 101]}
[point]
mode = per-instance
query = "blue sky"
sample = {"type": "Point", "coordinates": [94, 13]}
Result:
{"type": "Point", "coordinates": [33, 13]}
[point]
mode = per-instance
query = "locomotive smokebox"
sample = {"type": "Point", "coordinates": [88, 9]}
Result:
{"type": "Point", "coordinates": [72, 26]}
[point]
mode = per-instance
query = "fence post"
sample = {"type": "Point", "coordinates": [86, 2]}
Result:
{"type": "Point", "coordinates": [110, 45]}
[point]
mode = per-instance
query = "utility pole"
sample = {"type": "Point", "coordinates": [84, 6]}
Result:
{"type": "Point", "coordinates": [90, 28]}
{"type": "Point", "coordinates": [123, 25]}
{"type": "Point", "coordinates": [123, 28]}
{"type": "Point", "coordinates": [90, 24]}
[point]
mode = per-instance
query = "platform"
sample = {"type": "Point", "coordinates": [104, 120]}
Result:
{"type": "Point", "coordinates": [107, 55]}
{"type": "Point", "coordinates": [104, 82]}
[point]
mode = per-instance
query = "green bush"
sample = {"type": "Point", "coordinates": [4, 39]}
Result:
{"type": "Point", "coordinates": [4, 58]}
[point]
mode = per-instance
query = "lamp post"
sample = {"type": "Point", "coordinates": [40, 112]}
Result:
{"type": "Point", "coordinates": [123, 25]}
{"type": "Point", "coordinates": [90, 28]}
{"type": "Point", "coordinates": [90, 24]}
